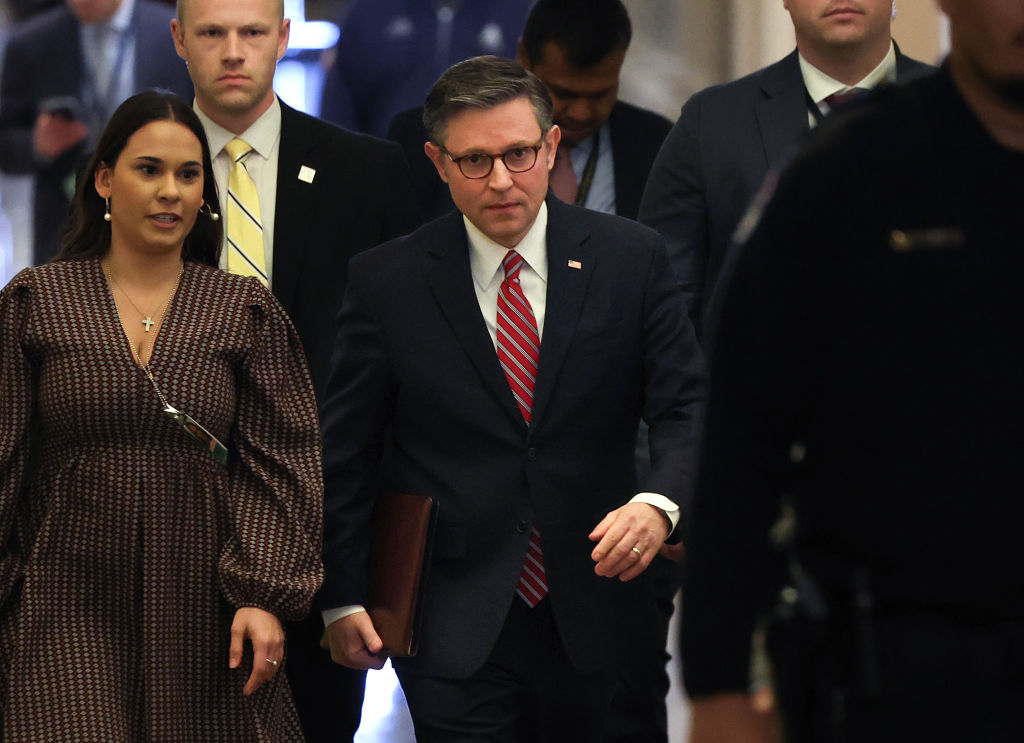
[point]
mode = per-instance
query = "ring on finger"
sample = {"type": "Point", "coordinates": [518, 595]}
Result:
{"type": "Point", "coordinates": [273, 662]}
{"type": "Point", "coordinates": [637, 551]}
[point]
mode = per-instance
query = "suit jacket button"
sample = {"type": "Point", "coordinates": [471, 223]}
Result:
{"type": "Point", "coordinates": [521, 527]}
{"type": "Point", "coordinates": [531, 454]}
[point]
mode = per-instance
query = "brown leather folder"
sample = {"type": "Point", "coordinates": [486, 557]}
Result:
{"type": "Point", "coordinates": [399, 557]}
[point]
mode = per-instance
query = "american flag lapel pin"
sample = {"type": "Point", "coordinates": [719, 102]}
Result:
{"type": "Point", "coordinates": [307, 174]}
{"type": "Point", "coordinates": [575, 264]}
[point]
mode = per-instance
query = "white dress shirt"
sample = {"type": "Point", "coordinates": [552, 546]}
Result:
{"type": "Point", "coordinates": [820, 86]}
{"type": "Point", "coordinates": [110, 78]}
{"type": "Point", "coordinates": [601, 197]}
{"type": "Point", "coordinates": [264, 136]}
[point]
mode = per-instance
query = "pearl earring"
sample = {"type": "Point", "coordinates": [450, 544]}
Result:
{"type": "Point", "coordinates": [106, 214]}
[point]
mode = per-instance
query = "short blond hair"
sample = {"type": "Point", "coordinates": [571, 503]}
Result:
{"type": "Point", "coordinates": [179, 9]}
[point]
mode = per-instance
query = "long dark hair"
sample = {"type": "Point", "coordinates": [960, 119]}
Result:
{"type": "Point", "coordinates": [89, 234]}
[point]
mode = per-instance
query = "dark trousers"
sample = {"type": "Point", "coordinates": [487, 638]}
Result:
{"type": "Point", "coordinates": [328, 697]}
{"type": "Point", "coordinates": [527, 691]}
{"type": "Point", "coordinates": [638, 713]}
{"type": "Point", "coordinates": [932, 678]}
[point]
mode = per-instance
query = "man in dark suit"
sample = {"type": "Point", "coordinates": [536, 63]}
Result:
{"type": "Point", "coordinates": [324, 195]}
{"type": "Point", "coordinates": [57, 93]}
{"type": "Point", "coordinates": [499, 360]}
{"type": "Point", "coordinates": [576, 48]}
{"type": "Point", "coordinates": [728, 136]}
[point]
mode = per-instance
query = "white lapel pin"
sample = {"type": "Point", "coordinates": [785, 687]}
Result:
{"type": "Point", "coordinates": [575, 264]}
{"type": "Point", "coordinates": [307, 174]}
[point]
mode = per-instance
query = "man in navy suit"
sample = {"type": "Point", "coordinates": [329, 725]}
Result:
{"type": "Point", "coordinates": [64, 73]}
{"type": "Point", "coordinates": [324, 195]}
{"type": "Point", "coordinates": [499, 359]}
{"type": "Point", "coordinates": [576, 48]}
{"type": "Point", "coordinates": [728, 136]}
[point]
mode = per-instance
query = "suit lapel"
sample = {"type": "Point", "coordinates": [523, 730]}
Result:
{"type": "Point", "coordinates": [567, 288]}
{"type": "Point", "coordinates": [66, 55]}
{"type": "Point", "coordinates": [295, 204]}
{"type": "Point", "coordinates": [452, 285]}
{"type": "Point", "coordinates": [782, 113]}
{"type": "Point", "coordinates": [625, 192]}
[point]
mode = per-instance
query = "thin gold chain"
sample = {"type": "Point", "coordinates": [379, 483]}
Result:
{"type": "Point", "coordinates": [147, 320]}
{"type": "Point", "coordinates": [137, 354]}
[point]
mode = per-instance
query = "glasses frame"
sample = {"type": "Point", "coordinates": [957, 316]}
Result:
{"type": "Point", "coordinates": [502, 155]}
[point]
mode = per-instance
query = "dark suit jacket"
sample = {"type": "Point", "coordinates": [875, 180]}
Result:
{"type": "Point", "coordinates": [359, 197]}
{"type": "Point", "coordinates": [43, 59]}
{"type": "Point", "coordinates": [418, 403]}
{"type": "Point", "coordinates": [715, 159]}
{"type": "Point", "coordinates": [636, 136]}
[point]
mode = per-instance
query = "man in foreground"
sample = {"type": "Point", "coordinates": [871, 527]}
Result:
{"type": "Point", "coordinates": [499, 359]}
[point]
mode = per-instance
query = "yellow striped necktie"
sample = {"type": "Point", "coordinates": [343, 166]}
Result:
{"type": "Point", "coordinates": [245, 229]}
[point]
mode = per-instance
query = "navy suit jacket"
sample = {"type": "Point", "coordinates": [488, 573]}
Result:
{"type": "Point", "coordinates": [43, 59]}
{"type": "Point", "coordinates": [715, 159]}
{"type": "Point", "coordinates": [359, 197]}
{"type": "Point", "coordinates": [636, 136]}
{"type": "Point", "coordinates": [418, 403]}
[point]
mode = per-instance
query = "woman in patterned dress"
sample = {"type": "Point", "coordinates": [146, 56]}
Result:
{"type": "Point", "coordinates": [160, 484]}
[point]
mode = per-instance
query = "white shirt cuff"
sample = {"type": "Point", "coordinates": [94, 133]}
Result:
{"type": "Point", "coordinates": [333, 615]}
{"type": "Point", "coordinates": [660, 501]}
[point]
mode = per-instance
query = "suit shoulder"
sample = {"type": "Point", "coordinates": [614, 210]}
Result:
{"type": "Point", "coordinates": [312, 128]}
{"type": "Point", "coordinates": [407, 122]}
{"type": "Point", "coordinates": [606, 229]}
{"type": "Point", "coordinates": [641, 120]}
{"type": "Point", "coordinates": [749, 88]}
{"type": "Point", "coordinates": [57, 21]}
{"type": "Point", "coordinates": [400, 253]}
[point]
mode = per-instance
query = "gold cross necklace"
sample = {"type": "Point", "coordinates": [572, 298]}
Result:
{"type": "Point", "coordinates": [147, 320]}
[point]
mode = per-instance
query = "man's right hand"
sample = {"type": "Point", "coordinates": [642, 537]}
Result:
{"type": "Point", "coordinates": [54, 135]}
{"type": "Point", "coordinates": [355, 643]}
{"type": "Point", "coordinates": [731, 718]}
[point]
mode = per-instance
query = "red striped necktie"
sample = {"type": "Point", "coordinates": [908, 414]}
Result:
{"type": "Point", "coordinates": [519, 352]}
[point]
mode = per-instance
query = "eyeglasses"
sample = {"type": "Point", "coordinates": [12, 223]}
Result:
{"type": "Point", "coordinates": [477, 165]}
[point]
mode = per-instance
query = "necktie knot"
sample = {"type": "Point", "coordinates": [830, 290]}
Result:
{"type": "Point", "coordinates": [512, 263]}
{"type": "Point", "coordinates": [842, 96]}
{"type": "Point", "coordinates": [237, 148]}
{"type": "Point", "coordinates": [562, 178]}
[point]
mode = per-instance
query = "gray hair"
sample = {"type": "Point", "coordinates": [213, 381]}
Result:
{"type": "Point", "coordinates": [482, 83]}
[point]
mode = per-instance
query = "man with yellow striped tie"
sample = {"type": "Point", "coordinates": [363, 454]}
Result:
{"type": "Point", "coordinates": [300, 197]}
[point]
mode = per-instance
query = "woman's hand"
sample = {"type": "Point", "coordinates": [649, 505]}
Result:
{"type": "Point", "coordinates": [267, 637]}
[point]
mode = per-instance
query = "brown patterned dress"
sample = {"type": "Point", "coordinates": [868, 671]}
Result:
{"type": "Point", "coordinates": [125, 549]}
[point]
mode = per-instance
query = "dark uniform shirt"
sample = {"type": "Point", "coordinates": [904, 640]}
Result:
{"type": "Point", "coordinates": [867, 358]}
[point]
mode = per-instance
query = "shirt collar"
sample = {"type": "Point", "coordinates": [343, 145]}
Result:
{"type": "Point", "coordinates": [120, 20]}
{"type": "Point", "coordinates": [820, 86]}
{"type": "Point", "coordinates": [485, 255]}
{"type": "Point", "coordinates": [261, 135]}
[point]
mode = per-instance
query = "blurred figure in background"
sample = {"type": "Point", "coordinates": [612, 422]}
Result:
{"type": "Point", "coordinates": [728, 136]}
{"type": "Point", "coordinates": [64, 73]}
{"type": "Point", "coordinates": [866, 360]}
{"type": "Point", "coordinates": [391, 51]}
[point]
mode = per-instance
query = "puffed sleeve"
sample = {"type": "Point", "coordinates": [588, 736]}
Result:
{"type": "Point", "coordinates": [273, 561]}
{"type": "Point", "coordinates": [17, 399]}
